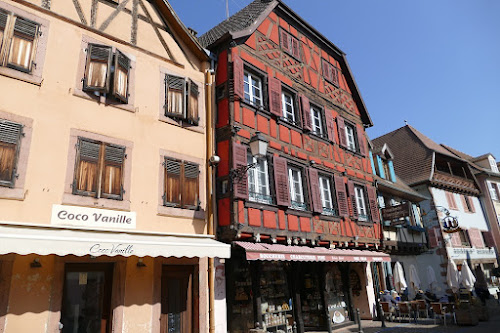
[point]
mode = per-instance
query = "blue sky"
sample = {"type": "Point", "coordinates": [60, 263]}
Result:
{"type": "Point", "coordinates": [434, 63]}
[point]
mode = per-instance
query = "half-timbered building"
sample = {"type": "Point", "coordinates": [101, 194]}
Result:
{"type": "Point", "coordinates": [295, 189]}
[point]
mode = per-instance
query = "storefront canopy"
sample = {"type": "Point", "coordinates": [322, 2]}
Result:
{"type": "Point", "coordinates": [45, 240]}
{"type": "Point", "coordinates": [261, 251]}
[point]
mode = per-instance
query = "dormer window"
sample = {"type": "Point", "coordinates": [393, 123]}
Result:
{"type": "Point", "coordinates": [493, 164]}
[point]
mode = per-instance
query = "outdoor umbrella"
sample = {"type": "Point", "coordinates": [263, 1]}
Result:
{"type": "Point", "coordinates": [414, 279]}
{"type": "Point", "coordinates": [399, 277]}
{"type": "Point", "coordinates": [431, 278]}
{"type": "Point", "coordinates": [452, 276]}
{"type": "Point", "coordinates": [467, 279]}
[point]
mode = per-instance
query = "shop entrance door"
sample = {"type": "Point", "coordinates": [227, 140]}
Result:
{"type": "Point", "coordinates": [86, 306]}
{"type": "Point", "coordinates": [177, 299]}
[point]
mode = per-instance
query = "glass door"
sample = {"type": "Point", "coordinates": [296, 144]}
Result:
{"type": "Point", "coordinates": [86, 306]}
{"type": "Point", "coordinates": [177, 299]}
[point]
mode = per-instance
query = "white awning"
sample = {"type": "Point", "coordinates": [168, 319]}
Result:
{"type": "Point", "coordinates": [45, 240]}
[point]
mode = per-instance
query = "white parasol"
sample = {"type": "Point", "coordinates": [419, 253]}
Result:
{"type": "Point", "coordinates": [431, 278]}
{"type": "Point", "coordinates": [399, 277]}
{"type": "Point", "coordinates": [452, 276]}
{"type": "Point", "coordinates": [414, 279]}
{"type": "Point", "coordinates": [467, 279]}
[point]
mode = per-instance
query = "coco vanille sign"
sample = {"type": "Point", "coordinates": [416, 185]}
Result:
{"type": "Point", "coordinates": [91, 217]}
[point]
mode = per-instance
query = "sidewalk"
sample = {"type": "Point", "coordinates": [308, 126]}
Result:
{"type": "Point", "coordinates": [427, 326]}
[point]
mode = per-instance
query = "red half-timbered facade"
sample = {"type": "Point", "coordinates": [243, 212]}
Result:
{"type": "Point", "coordinates": [278, 76]}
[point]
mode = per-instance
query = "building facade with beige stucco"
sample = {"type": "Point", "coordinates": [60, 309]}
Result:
{"type": "Point", "coordinates": [105, 219]}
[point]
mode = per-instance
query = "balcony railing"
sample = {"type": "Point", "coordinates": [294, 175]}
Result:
{"type": "Point", "coordinates": [329, 211]}
{"type": "Point", "coordinates": [298, 205]}
{"type": "Point", "coordinates": [258, 197]}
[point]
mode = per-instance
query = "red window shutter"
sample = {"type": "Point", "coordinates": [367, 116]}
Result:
{"type": "Point", "coordinates": [455, 240]}
{"type": "Point", "coordinates": [238, 76]}
{"type": "Point", "coordinates": [341, 129]}
{"type": "Point", "coordinates": [352, 195]}
{"type": "Point", "coordinates": [451, 200]}
{"type": "Point", "coordinates": [306, 112]}
{"type": "Point", "coordinates": [361, 140]}
{"type": "Point", "coordinates": [326, 69]}
{"type": "Point", "coordinates": [471, 203]}
{"type": "Point", "coordinates": [240, 186]}
{"type": "Point", "coordinates": [488, 239]}
{"type": "Point", "coordinates": [476, 239]}
{"type": "Point", "coordinates": [295, 48]}
{"type": "Point", "coordinates": [433, 241]}
{"type": "Point", "coordinates": [372, 199]}
{"type": "Point", "coordinates": [285, 41]}
{"type": "Point", "coordinates": [334, 74]}
{"type": "Point", "coordinates": [341, 196]}
{"type": "Point", "coordinates": [315, 195]}
{"type": "Point", "coordinates": [329, 124]}
{"type": "Point", "coordinates": [281, 181]}
{"type": "Point", "coordinates": [275, 96]}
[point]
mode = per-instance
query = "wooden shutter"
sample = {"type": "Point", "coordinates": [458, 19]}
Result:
{"type": "Point", "coordinates": [471, 203]}
{"type": "Point", "coordinates": [455, 239]}
{"type": "Point", "coordinates": [341, 196]}
{"type": "Point", "coordinates": [238, 77]}
{"type": "Point", "coordinates": [121, 77]}
{"type": "Point", "coordinates": [315, 191]}
{"type": "Point", "coordinates": [295, 48]}
{"type": "Point", "coordinates": [305, 108]}
{"type": "Point", "coordinates": [372, 200]}
{"type": "Point", "coordinates": [488, 239]}
{"type": "Point", "coordinates": [362, 141]}
{"type": "Point", "coordinates": [341, 130]}
{"type": "Point", "coordinates": [475, 237]}
{"type": "Point", "coordinates": [111, 185]}
{"type": "Point", "coordinates": [275, 96]}
{"type": "Point", "coordinates": [329, 124]}
{"type": "Point", "coordinates": [190, 186]}
{"type": "Point", "coordinates": [325, 67]}
{"type": "Point", "coordinates": [334, 74]}
{"type": "Point", "coordinates": [240, 185]}
{"type": "Point", "coordinates": [172, 191]}
{"type": "Point", "coordinates": [193, 103]}
{"type": "Point", "coordinates": [175, 96]}
{"type": "Point", "coordinates": [281, 181]}
{"type": "Point", "coordinates": [451, 200]}
{"type": "Point", "coordinates": [433, 240]}
{"type": "Point", "coordinates": [98, 61]}
{"type": "Point", "coordinates": [86, 174]}
{"type": "Point", "coordinates": [3, 19]}
{"type": "Point", "coordinates": [352, 196]}
{"type": "Point", "coordinates": [10, 136]}
{"type": "Point", "coordinates": [20, 54]}
{"type": "Point", "coordinates": [286, 43]}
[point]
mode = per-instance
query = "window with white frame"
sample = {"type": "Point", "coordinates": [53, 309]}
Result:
{"type": "Point", "coordinates": [258, 180]}
{"type": "Point", "coordinates": [493, 163]}
{"type": "Point", "coordinates": [253, 89]}
{"type": "Point", "coordinates": [288, 105]}
{"type": "Point", "coordinates": [317, 121]}
{"type": "Point", "coordinates": [325, 189]}
{"type": "Point", "coordinates": [296, 188]}
{"type": "Point", "coordinates": [361, 203]}
{"type": "Point", "coordinates": [493, 190]}
{"type": "Point", "coordinates": [350, 137]}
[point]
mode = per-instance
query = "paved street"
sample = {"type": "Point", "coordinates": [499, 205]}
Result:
{"type": "Point", "coordinates": [427, 325]}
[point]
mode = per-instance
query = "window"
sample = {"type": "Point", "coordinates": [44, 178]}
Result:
{"type": "Point", "coordinates": [350, 137]}
{"type": "Point", "coordinates": [468, 204]}
{"type": "Point", "coordinates": [493, 163]}
{"type": "Point", "coordinates": [289, 108]}
{"type": "Point", "coordinates": [99, 170]}
{"type": "Point", "coordinates": [360, 203]}
{"type": "Point", "coordinates": [326, 195]}
{"type": "Point", "coordinates": [181, 187]}
{"type": "Point", "coordinates": [18, 38]}
{"type": "Point", "coordinates": [296, 188]}
{"type": "Point", "coordinates": [330, 72]}
{"type": "Point", "coordinates": [253, 89]}
{"type": "Point", "coordinates": [258, 180]}
{"type": "Point", "coordinates": [10, 137]}
{"type": "Point", "coordinates": [181, 99]}
{"type": "Point", "coordinates": [463, 238]}
{"type": "Point", "coordinates": [290, 44]}
{"type": "Point", "coordinates": [107, 72]}
{"type": "Point", "coordinates": [317, 121]}
{"type": "Point", "coordinates": [493, 187]}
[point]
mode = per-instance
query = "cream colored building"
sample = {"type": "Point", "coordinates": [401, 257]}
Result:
{"type": "Point", "coordinates": [105, 219]}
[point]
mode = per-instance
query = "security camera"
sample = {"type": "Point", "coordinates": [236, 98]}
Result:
{"type": "Point", "coordinates": [214, 160]}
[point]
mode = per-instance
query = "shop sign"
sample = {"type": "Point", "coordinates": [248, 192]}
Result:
{"type": "Point", "coordinates": [312, 257]}
{"type": "Point", "coordinates": [396, 213]}
{"type": "Point", "coordinates": [92, 217]}
{"type": "Point", "coordinates": [111, 249]}
{"type": "Point", "coordinates": [450, 224]}
{"type": "Point", "coordinates": [470, 253]}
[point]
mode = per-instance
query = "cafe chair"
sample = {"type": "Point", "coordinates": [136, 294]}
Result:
{"type": "Point", "coordinates": [422, 308]}
{"type": "Point", "coordinates": [404, 310]}
{"type": "Point", "coordinates": [439, 311]}
{"type": "Point", "coordinates": [386, 310]}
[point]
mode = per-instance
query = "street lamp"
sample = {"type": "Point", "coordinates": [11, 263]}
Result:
{"type": "Point", "coordinates": [258, 148]}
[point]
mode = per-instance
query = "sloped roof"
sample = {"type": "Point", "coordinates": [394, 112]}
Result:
{"type": "Point", "coordinates": [240, 21]}
{"type": "Point", "coordinates": [400, 189]}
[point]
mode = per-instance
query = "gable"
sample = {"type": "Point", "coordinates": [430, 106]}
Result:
{"type": "Point", "coordinates": [139, 23]}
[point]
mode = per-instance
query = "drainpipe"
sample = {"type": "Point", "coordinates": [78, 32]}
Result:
{"type": "Point", "coordinates": [209, 80]}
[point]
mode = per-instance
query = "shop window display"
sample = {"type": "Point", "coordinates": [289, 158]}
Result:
{"type": "Point", "coordinates": [241, 310]}
{"type": "Point", "coordinates": [336, 295]}
{"type": "Point", "coordinates": [276, 302]}
{"type": "Point", "coordinates": [313, 311]}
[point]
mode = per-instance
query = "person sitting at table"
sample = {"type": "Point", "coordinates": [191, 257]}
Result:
{"type": "Point", "coordinates": [420, 295]}
{"type": "Point", "coordinates": [430, 295]}
{"type": "Point", "coordinates": [393, 303]}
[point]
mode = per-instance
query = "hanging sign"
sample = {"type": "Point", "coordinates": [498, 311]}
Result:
{"type": "Point", "coordinates": [450, 224]}
{"type": "Point", "coordinates": [396, 214]}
